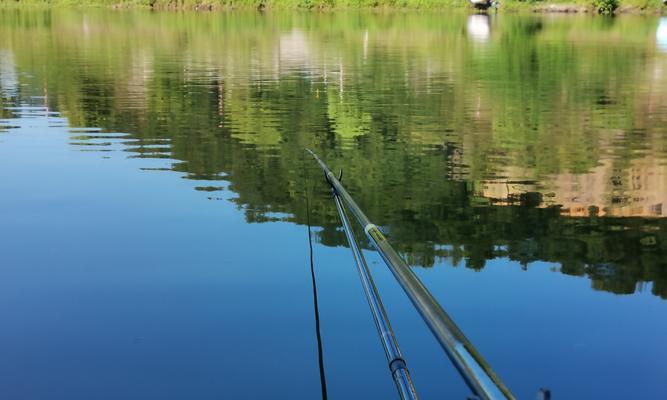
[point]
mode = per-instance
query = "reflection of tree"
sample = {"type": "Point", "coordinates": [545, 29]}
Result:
{"type": "Point", "coordinates": [419, 117]}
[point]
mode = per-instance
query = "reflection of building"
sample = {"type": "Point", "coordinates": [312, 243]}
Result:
{"type": "Point", "coordinates": [513, 190]}
{"type": "Point", "coordinates": [479, 27]}
{"type": "Point", "coordinates": [9, 80]}
{"type": "Point", "coordinates": [139, 77]}
{"type": "Point", "coordinates": [294, 52]}
{"type": "Point", "coordinates": [639, 190]}
{"type": "Point", "coordinates": [661, 35]}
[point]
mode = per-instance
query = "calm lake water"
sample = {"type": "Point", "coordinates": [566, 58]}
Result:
{"type": "Point", "coordinates": [153, 201]}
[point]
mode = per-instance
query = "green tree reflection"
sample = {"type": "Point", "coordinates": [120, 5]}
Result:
{"type": "Point", "coordinates": [543, 141]}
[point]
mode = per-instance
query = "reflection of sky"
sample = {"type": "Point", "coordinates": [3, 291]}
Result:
{"type": "Point", "coordinates": [109, 275]}
{"type": "Point", "coordinates": [661, 35]}
{"type": "Point", "coordinates": [172, 291]}
{"type": "Point", "coordinates": [556, 321]}
{"type": "Point", "coordinates": [113, 272]}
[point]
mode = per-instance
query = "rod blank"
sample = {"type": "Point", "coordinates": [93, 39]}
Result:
{"type": "Point", "coordinates": [476, 372]}
{"type": "Point", "coordinates": [397, 366]}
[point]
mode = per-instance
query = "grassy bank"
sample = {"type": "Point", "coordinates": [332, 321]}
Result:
{"type": "Point", "coordinates": [528, 6]}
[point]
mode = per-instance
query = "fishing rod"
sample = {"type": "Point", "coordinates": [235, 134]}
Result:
{"type": "Point", "coordinates": [476, 372]}
{"type": "Point", "coordinates": [397, 365]}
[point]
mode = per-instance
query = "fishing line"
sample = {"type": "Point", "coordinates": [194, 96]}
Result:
{"type": "Point", "coordinates": [320, 358]}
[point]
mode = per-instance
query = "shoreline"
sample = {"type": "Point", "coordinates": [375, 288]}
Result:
{"type": "Point", "coordinates": [579, 7]}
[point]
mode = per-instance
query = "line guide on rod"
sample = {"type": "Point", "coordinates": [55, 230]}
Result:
{"type": "Point", "coordinates": [476, 372]}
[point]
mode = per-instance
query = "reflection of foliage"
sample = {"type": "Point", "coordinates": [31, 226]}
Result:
{"type": "Point", "coordinates": [605, 7]}
{"type": "Point", "coordinates": [347, 121]}
{"type": "Point", "coordinates": [416, 119]}
{"type": "Point", "coordinates": [613, 252]}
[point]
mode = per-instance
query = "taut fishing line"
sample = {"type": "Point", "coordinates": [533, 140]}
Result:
{"type": "Point", "coordinates": [323, 379]}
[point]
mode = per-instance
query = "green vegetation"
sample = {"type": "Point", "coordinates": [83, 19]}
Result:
{"type": "Point", "coordinates": [246, 4]}
{"type": "Point", "coordinates": [560, 6]}
{"type": "Point", "coordinates": [605, 7]}
{"type": "Point", "coordinates": [421, 115]}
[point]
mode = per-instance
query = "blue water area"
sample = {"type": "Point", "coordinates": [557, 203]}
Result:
{"type": "Point", "coordinates": [155, 200]}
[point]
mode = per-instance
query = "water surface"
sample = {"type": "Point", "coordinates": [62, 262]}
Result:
{"type": "Point", "coordinates": [153, 192]}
